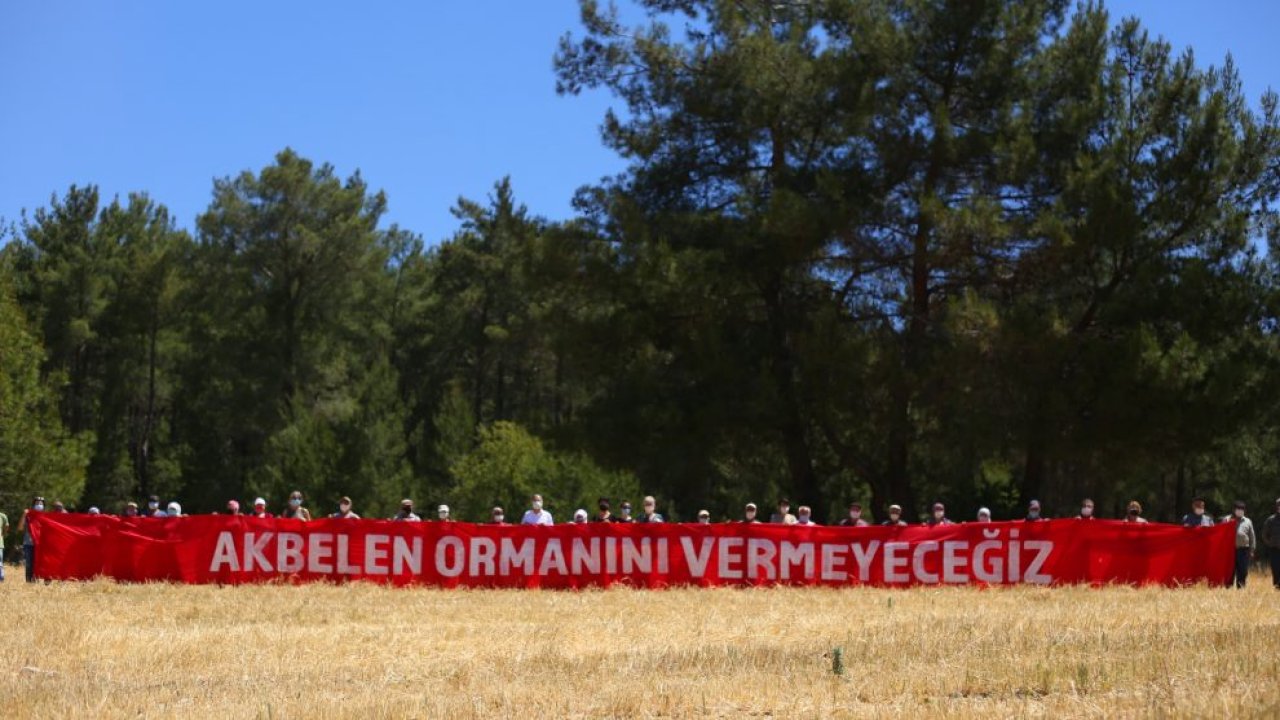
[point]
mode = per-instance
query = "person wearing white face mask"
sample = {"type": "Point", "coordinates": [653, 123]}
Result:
{"type": "Point", "coordinates": [984, 515]}
{"type": "Point", "coordinates": [1033, 512]}
{"type": "Point", "coordinates": [497, 516]}
{"type": "Point", "coordinates": [344, 509]}
{"type": "Point", "coordinates": [1086, 510]}
{"type": "Point", "coordinates": [804, 515]}
{"type": "Point", "coordinates": [939, 516]}
{"type": "Point", "coordinates": [783, 516]}
{"type": "Point", "coordinates": [749, 513]}
{"type": "Point", "coordinates": [535, 515]}
{"type": "Point", "coordinates": [1197, 517]}
{"type": "Point", "coordinates": [895, 517]}
{"type": "Point", "coordinates": [649, 513]}
{"type": "Point", "coordinates": [29, 543]}
{"type": "Point", "coordinates": [854, 518]}
{"type": "Point", "coordinates": [704, 517]}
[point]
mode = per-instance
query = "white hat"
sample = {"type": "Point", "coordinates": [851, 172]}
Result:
{"type": "Point", "coordinates": [259, 501]}
{"type": "Point", "coordinates": [174, 509]}
{"type": "Point", "coordinates": [442, 509]}
{"type": "Point", "coordinates": [579, 513]}
{"type": "Point", "coordinates": [95, 511]}
{"type": "Point", "coordinates": [984, 511]}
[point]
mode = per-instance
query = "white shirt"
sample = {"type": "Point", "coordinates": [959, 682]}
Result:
{"type": "Point", "coordinates": [536, 517]}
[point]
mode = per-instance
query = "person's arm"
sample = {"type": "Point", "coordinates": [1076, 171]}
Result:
{"type": "Point", "coordinates": [1253, 540]}
{"type": "Point", "coordinates": [22, 524]}
{"type": "Point", "coordinates": [306, 514]}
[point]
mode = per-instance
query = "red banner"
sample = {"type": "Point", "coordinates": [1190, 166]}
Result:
{"type": "Point", "coordinates": [232, 550]}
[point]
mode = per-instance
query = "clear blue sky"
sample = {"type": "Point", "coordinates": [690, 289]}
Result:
{"type": "Point", "coordinates": [429, 100]}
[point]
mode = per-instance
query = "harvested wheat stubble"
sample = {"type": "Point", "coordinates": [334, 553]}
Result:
{"type": "Point", "coordinates": [106, 650]}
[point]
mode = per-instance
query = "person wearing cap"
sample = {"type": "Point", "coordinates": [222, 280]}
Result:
{"type": "Point", "coordinates": [295, 509]}
{"type": "Point", "coordinates": [1246, 544]}
{"type": "Point", "coordinates": [1271, 539]}
{"type": "Point", "coordinates": [130, 509]}
{"type": "Point", "coordinates": [1197, 517]}
{"type": "Point", "coordinates": [406, 512]}
{"type": "Point", "coordinates": [497, 516]}
{"type": "Point", "coordinates": [984, 515]}
{"type": "Point", "coordinates": [749, 513]}
{"type": "Point", "coordinates": [153, 507]}
{"type": "Point", "coordinates": [804, 515]}
{"type": "Point", "coordinates": [602, 512]}
{"type": "Point", "coordinates": [442, 514]}
{"type": "Point", "coordinates": [855, 516]}
{"type": "Point", "coordinates": [580, 516]}
{"type": "Point", "coordinates": [783, 516]}
{"type": "Point", "coordinates": [93, 510]}
{"type": "Point", "coordinates": [1133, 514]}
{"type": "Point", "coordinates": [260, 509]}
{"type": "Point", "coordinates": [233, 507]}
{"type": "Point", "coordinates": [704, 517]}
{"type": "Point", "coordinates": [344, 509]}
{"type": "Point", "coordinates": [29, 543]}
{"type": "Point", "coordinates": [1086, 510]}
{"type": "Point", "coordinates": [624, 513]}
{"type": "Point", "coordinates": [536, 514]}
{"type": "Point", "coordinates": [895, 517]}
{"type": "Point", "coordinates": [173, 510]}
{"type": "Point", "coordinates": [1033, 511]}
{"type": "Point", "coordinates": [938, 516]}
{"type": "Point", "coordinates": [648, 512]}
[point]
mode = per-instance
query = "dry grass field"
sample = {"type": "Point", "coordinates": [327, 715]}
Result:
{"type": "Point", "coordinates": [106, 650]}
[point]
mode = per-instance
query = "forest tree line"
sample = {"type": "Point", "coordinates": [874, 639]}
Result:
{"type": "Point", "coordinates": [896, 251]}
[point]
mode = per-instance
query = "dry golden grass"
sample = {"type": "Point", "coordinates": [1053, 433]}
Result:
{"type": "Point", "coordinates": [106, 650]}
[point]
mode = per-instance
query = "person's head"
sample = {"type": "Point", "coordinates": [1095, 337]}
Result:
{"type": "Point", "coordinates": [804, 514]}
{"type": "Point", "coordinates": [1239, 508]}
{"type": "Point", "coordinates": [260, 505]}
{"type": "Point", "coordinates": [650, 505]}
{"type": "Point", "coordinates": [295, 499]}
{"type": "Point", "coordinates": [784, 506]}
{"type": "Point", "coordinates": [895, 512]}
{"type": "Point", "coordinates": [625, 509]}
{"type": "Point", "coordinates": [233, 507]}
{"type": "Point", "coordinates": [535, 502]}
{"type": "Point", "coordinates": [58, 507]}
{"type": "Point", "coordinates": [939, 511]}
{"type": "Point", "coordinates": [984, 515]}
{"type": "Point", "coordinates": [406, 507]}
{"type": "Point", "coordinates": [344, 504]}
{"type": "Point", "coordinates": [1033, 509]}
{"type": "Point", "coordinates": [855, 510]}
{"type": "Point", "coordinates": [1197, 506]}
{"type": "Point", "coordinates": [174, 510]}
{"type": "Point", "coordinates": [37, 503]}
{"type": "Point", "coordinates": [1134, 509]}
{"type": "Point", "coordinates": [497, 515]}
{"type": "Point", "coordinates": [131, 509]}
{"type": "Point", "coordinates": [1086, 508]}
{"type": "Point", "coordinates": [603, 504]}
{"type": "Point", "coordinates": [442, 512]}
{"type": "Point", "coordinates": [153, 502]}
{"type": "Point", "coordinates": [749, 512]}
{"type": "Point", "coordinates": [579, 516]}
{"type": "Point", "coordinates": [93, 510]}
{"type": "Point", "coordinates": [704, 517]}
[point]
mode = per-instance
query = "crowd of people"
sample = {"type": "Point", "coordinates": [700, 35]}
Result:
{"type": "Point", "coordinates": [1246, 540]}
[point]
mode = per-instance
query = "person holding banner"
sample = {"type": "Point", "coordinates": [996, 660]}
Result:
{"type": "Point", "coordinates": [1134, 513]}
{"type": "Point", "coordinates": [855, 516]}
{"type": "Point", "coordinates": [984, 515]}
{"type": "Point", "coordinates": [749, 513]}
{"type": "Point", "coordinates": [406, 512]}
{"type": "Point", "coordinates": [260, 509]}
{"type": "Point", "coordinates": [938, 516]}
{"type": "Point", "coordinates": [1086, 510]}
{"type": "Point", "coordinates": [783, 516]}
{"type": "Point", "coordinates": [1246, 545]}
{"type": "Point", "coordinates": [1033, 512]}
{"type": "Point", "coordinates": [497, 516]}
{"type": "Point", "coordinates": [1271, 538]}
{"type": "Point", "coordinates": [895, 517]}
{"type": "Point", "coordinates": [344, 509]}
{"type": "Point", "coordinates": [295, 508]}
{"type": "Point", "coordinates": [1197, 517]}
{"type": "Point", "coordinates": [28, 543]}
{"type": "Point", "coordinates": [649, 514]}
{"type": "Point", "coordinates": [535, 515]}
{"type": "Point", "coordinates": [602, 513]}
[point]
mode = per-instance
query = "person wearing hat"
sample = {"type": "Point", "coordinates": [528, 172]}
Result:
{"type": "Point", "coordinates": [1197, 517]}
{"type": "Point", "coordinates": [602, 512]}
{"type": "Point", "coordinates": [1133, 514]}
{"type": "Point", "coordinates": [704, 517]}
{"type": "Point", "coordinates": [804, 515]}
{"type": "Point", "coordinates": [855, 516]}
{"type": "Point", "coordinates": [260, 509]}
{"type": "Point", "coordinates": [442, 514]}
{"type": "Point", "coordinates": [783, 516]}
{"type": "Point", "coordinates": [938, 516]}
{"type": "Point", "coordinates": [58, 507]}
{"type": "Point", "coordinates": [1271, 538]}
{"type": "Point", "coordinates": [624, 513]}
{"type": "Point", "coordinates": [536, 514]}
{"type": "Point", "coordinates": [29, 543]}
{"type": "Point", "coordinates": [649, 511]}
{"type": "Point", "coordinates": [895, 517]}
{"type": "Point", "coordinates": [406, 512]}
{"type": "Point", "coordinates": [344, 509]}
{"type": "Point", "coordinates": [153, 507]}
{"type": "Point", "coordinates": [173, 510]}
{"type": "Point", "coordinates": [1033, 511]}
{"type": "Point", "coordinates": [1246, 544]}
{"type": "Point", "coordinates": [749, 513]}
{"type": "Point", "coordinates": [984, 515]}
{"type": "Point", "coordinates": [233, 507]}
{"type": "Point", "coordinates": [130, 509]}
{"type": "Point", "coordinates": [497, 516]}
{"type": "Point", "coordinates": [580, 516]}
{"type": "Point", "coordinates": [93, 510]}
